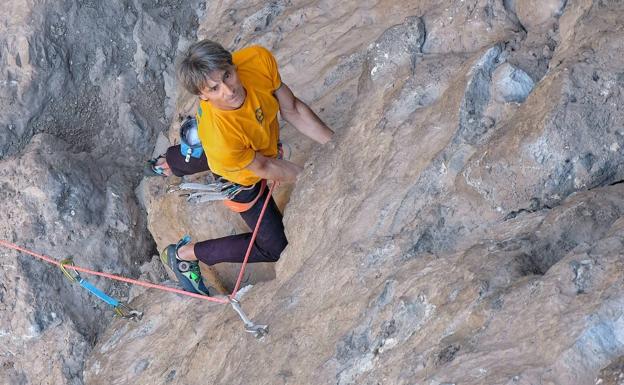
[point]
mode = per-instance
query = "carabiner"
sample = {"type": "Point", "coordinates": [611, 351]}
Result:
{"type": "Point", "coordinates": [69, 261]}
{"type": "Point", "coordinates": [126, 312]}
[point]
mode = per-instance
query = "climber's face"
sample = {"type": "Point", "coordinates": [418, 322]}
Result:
{"type": "Point", "coordinates": [224, 89]}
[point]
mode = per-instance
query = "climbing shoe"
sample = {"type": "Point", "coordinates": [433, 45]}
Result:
{"type": "Point", "coordinates": [187, 272]}
{"type": "Point", "coordinates": [152, 169]}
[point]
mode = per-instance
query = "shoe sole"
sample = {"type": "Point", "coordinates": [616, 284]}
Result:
{"type": "Point", "coordinates": [164, 258]}
{"type": "Point", "coordinates": [148, 171]}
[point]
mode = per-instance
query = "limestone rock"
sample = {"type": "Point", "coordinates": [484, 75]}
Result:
{"type": "Point", "coordinates": [421, 262]}
{"type": "Point", "coordinates": [461, 226]}
{"type": "Point", "coordinates": [511, 84]}
{"type": "Point", "coordinates": [612, 374]}
{"type": "Point", "coordinates": [467, 26]}
{"type": "Point", "coordinates": [60, 204]}
{"type": "Point", "coordinates": [534, 14]}
{"type": "Point", "coordinates": [574, 134]}
{"type": "Point", "coordinates": [78, 114]}
{"type": "Point", "coordinates": [81, 83]}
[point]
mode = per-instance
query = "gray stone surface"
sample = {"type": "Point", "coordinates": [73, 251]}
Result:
{"type": "Point", "coordinates": [61, 204]}
{"type": "Point", "coordinates": [412, 259]}
{"type": "Point", "coordinates": [101, 89]}
{"type": "Point", "coordinates": [511, 84]}
{"type": "Point", "coordinates": [460, 228]}
{"type": "Point", "coordinates": [534, 14]}
{"type": "Point", "coordinates": [83, 95]}
{"type": "Point", "coordinates": [612, 374]}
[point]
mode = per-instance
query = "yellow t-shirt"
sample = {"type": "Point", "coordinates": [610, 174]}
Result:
{"type": "Point", "coordinates": [231, 138]}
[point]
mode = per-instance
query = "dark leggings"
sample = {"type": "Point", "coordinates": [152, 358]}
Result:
{"type": "Point", "coordinates": [270, 241]}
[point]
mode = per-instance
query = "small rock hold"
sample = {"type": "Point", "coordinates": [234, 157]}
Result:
{"type": "Point", "coordinates": [487, 122]}
{"type": "Point", "coordinates": [170, 376]}
{"type": "Point", "coordinates": [546, 52]}
{"type": "Point", "coordinates": [511, 84]}
{"type": "Point", "coordinates": [447, 354]}
{"type": "Point", "coordinates": [536, 14]}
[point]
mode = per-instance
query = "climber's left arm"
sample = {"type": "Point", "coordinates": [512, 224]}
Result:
{"type": "Point", "coordinates": [297, 113]}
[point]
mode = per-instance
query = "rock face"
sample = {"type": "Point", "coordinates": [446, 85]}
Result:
{"type": "Point", "coordinates": [612, 374]}
{"type": "Point", "coordinates": [536, 14]}
{"type": "Point", "coordinates": [85, 86]}
{"type": "Point", "coordinates": [464, 226]}
{"type": "Point", "coordinates": [61, 203]}
{"type": "Point", "coordinates": [81, 83]}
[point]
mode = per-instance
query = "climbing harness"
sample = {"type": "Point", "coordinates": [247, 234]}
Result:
{"type": "Point", "coordinates": [258, 331]}
{"type": "Point", "coordinates": [220, 189]}
{"type": "Point", "coordinates": [121, 309]}
{"type": "Point", "coordinates": [241, 207]}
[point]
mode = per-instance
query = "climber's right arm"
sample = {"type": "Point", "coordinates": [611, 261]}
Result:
{"type": "Point", "coordinates": [274, 169]}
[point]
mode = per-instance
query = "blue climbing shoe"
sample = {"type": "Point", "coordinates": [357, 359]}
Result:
{"type": "Point", "coordinates": [187, 272]}
{"type": "Point", "coordinates": [152, 169]}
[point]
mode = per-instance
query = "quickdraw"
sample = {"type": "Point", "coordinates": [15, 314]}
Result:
{"type": "Point", "coordinates": [257, 330]}
{"type": "Point", "coordinates": [223, 190]}
{"type": "Point", "coordinates": [215, 190]}
{"type": "Point", "coordinates": [121, 309]}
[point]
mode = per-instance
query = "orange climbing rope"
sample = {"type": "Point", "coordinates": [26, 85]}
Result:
{"type": "Point", "coordinates": [153, 285]}
{"type": "Point", "coordinates": [110, 276]}
{"type": "Point", "coordinates": [253, 239]}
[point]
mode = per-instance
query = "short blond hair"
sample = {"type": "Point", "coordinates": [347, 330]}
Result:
{"type": "Point", "coordinates": [198, 61]}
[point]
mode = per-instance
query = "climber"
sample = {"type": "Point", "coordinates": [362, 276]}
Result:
{"type": "Point", "coordinates": [240, 95]}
